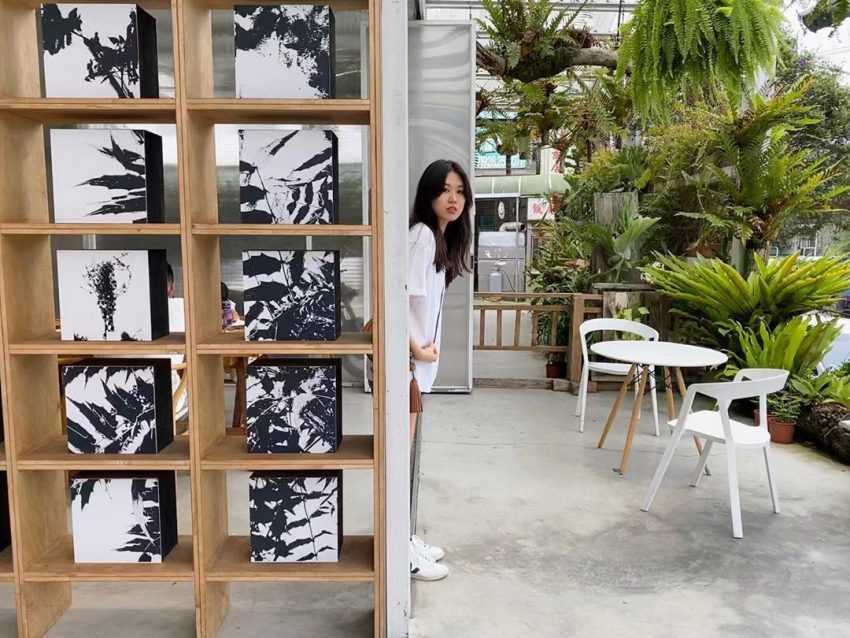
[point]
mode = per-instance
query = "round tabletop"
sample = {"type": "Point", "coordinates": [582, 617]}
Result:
{"type": "Point", "coordinates": [659, 353]}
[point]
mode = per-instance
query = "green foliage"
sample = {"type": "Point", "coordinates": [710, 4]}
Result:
{"type": "Point", "coordinates": [827, 13]}
{"type": "Point", "coordinates": [785, 406]}
{"type": "Point", "coordinates": [561, 261]}
{"type": "Point", "coordinates": [609, 172]}
{"type": "Point", "coordinates": [711, 292]}
{"type": "Point", "coordinates": [697, 47]}
{"type": "Point", "coordinates": [829, 387]}
{"type": "Point", "coordinates": [797, 345]}
{"type": "Point", "coordinates": [623, 248]}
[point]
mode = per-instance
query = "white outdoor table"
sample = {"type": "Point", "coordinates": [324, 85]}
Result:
{"type": "Point", "coordinates": [662, 354]}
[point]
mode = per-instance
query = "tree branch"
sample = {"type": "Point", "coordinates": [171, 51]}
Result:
{"type": "Point", "coordinates": [535, 67]}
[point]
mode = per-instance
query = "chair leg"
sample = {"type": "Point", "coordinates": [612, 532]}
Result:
{"type": "Point", "coordinates": [581, 406]}
{"type": "Point", "coordinates": [771, 479]}
{"type": "Point", "coordinates": [695, 479]}
{"type": "Point", "coordinates": [734, 495]}
{"type": "Point", "coordinates": [654, 399]}
{"type": "Point", "coordinates": [661, 470]}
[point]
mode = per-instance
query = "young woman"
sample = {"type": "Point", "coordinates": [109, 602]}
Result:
{"type": "Point", "coordinates": [438, 247]}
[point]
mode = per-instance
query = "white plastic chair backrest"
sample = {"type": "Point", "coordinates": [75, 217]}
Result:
{"type": "Point", "coordinates": [748, 383]}
{"type": "Point", "coordinates": [647, 333]}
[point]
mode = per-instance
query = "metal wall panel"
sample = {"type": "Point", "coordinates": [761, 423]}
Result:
{"type": "Point", "coordinates": [441, 60]}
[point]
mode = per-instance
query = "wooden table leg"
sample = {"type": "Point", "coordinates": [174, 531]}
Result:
{"type": "Point", "coordinates": [682, 390]}
{"type": "Point", "coordinates": [615, 409]}
{"type": "Point", "coordinates": [633, 421]}
{"type": "Point", "coordinates": [668, 390]}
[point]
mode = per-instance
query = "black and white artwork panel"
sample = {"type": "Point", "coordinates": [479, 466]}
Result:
{"type": "Point", "coordinates": [293, 406]}
{"type": "Point", "coordinates": [291, 295]}
{"type": "Point", "coordinates": [288, 177]}
{"type": "Point", "coordinates": [118, 406]}
{"type": "Point", "coordinates": [122, 519]}
{"type": "Point", "coordinates": [295, 518]}
{"type": "Point", "coordinates": [111, 295]}
{"type": "Point", "coordinates": [106, 176]}
{"type": "Point", "coordinates": [284, 51]}
{"type": "Point", "coordinates": [99, 51]}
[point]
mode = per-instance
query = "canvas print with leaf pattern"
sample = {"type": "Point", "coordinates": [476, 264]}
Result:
{"type": "Point", "coordinates": [288, 177]}
{"type": "Point", "coordinates": [291, 295]}
{"type": "Point", "coordinates": [295, 517]}
{"type": "Point", "coordinates": [123, 519]}
{"type": "Point", "coordinates": [106, 176]}
{"type": "Point", "coordinates": [118, 406]}
{"type": "Point", "coordinates": [99, 50]}
{"type": "Point", "coordinates": [284, 51]}
{"type": "Point", "coordinates": [294, 406]}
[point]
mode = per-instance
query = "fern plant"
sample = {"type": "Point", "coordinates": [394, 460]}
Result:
{"type": "Point", "coordinates": [713, 292]}
{"type": "Point", "coordinates": [797, 346]}
{"type": "Point", "coordinates": [698, 46]}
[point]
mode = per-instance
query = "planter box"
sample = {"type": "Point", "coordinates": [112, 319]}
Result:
{"type": "Point", "coordinates": [295, 516]}
{"type": "Point", "coordinates": [112, 295]}
{"type": "Point", "coordinates": [106, 176]}
{"type": "Point", "coordinates": [118, 406]}
{"type": "Point", "coordinates": [288, 177]}
{"type": "Point", "coordinates": [291, 295]}
{"type": "Point", "coordinates": [123, 518]}
{"type": "Point", "coordinates": [99, 51]}
{"type": "Point", "coordinates": [294, 405]}
{"type": "Point", "coordinates": [284, 51]}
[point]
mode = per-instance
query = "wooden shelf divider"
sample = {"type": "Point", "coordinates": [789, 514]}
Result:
{"type": "Point", "coordinates": [294, 230]}
{"type": "Point", "coordinates": [52, 344]}
{"type": "Point", "coordinates": [84, 110]}
{"type": "Point", "coordinates": [54, 455]}
{"type": "Point", "coordinates": [58, 565]}
{"type": "Point", "coordinates": [90, 229]}
{"type": "Point", "coordinates": [289, 111]}
{"type": "Point", "coordinates": [233, 344]}
{"type": "Point", "coordinates": [229, 453]}
{"type": "Point", "coordinates": [233, 564]}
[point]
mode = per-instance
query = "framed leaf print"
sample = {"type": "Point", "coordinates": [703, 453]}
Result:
{"type": "Point", "coordinates": [123, 518]}
{"type": "Point", "coordinates": [118, 406]}
{"type": "Point", "coordinates": [295, 517]}
{"type": "Point", "coordinates": [291, 295]}
{"type": "Point", "coordinates": [284, 51]}
{"type": "Point", "coordinates": [112, 295]}
{"type": "Point", "coordinates": [99, 51]}
{"type": "Point", "coordinates": [106, 176]}
{"type": "Point", "coordinates": [294, 405]}
{"type": "Point", "coordinates": [288, 177]}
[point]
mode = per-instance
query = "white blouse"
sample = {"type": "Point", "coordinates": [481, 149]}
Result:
{"type": "Point", "coordinates": [425, 290]}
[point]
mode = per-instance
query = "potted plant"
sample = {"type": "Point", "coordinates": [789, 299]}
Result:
{"type": "Point", "coordinates": [556, 365]}
{"type": "Point", "coordinates": [783, 410]}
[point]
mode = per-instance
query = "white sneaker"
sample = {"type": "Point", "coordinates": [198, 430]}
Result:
{"type": "Point", "coordinates": [423, 568]}
{"type": "Point", "coordinates": [429, 551]}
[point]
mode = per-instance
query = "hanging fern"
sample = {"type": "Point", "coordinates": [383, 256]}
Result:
{"type": "Point", "coordinates": [698, 46]}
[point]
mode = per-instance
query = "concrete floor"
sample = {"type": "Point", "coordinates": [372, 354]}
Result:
{"type": "Point", "coordinates": [544, 540]}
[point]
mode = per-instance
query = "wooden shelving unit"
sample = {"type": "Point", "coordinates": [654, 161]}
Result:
{"type": "Point", "coordinates": [40, 561]}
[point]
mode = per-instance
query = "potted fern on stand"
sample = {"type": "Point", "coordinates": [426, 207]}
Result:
{"type": "Point", "coordinates": [783, 410]}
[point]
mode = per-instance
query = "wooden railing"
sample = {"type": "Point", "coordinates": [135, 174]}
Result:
{"type": "Point", "coordinates": [578, 307]}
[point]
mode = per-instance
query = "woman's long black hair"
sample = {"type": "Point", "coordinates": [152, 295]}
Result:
{"type": "Point", "coordinates": [452, 246]}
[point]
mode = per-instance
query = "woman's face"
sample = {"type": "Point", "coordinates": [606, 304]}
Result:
{"type": "Point", "coordinates": [448, 206]}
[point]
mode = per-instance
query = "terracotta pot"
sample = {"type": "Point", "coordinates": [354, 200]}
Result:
{"type": "Point", "coordinates": [780, 431]}
{"type": "Point", "coordinates": [556, 370]}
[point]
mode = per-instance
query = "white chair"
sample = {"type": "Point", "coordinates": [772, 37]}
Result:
{"type": "Point", "coordinates": [616, 369]}
{"type": "Point", "coordinates": [717, 427]}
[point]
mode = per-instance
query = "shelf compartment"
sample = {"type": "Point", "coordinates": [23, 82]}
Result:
{"type": "Point", "coordinates": [286, 111]}
{"type": "Point", "coordinates": [54, 455]}
{"type": "Point", "coordinates": [58, 566]}
{"type": "Point", "coordinates": [51, 344]}
{"type": "Point", "coordinates": [7, 572]}
{"type": "Point", "coordinates": [229, 453]}
{"type": "Point", "coordinates": [295, 230]}
{"type": "Point", "coordinates": [233, 344]}
{"type": "Point", "coordinates": [90, 229]}
{"type": "Point", "coordinates": [232, 563]}
{"type": "Point", "coordinates": [83, 110]}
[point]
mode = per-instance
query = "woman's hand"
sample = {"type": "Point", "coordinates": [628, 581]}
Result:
{"type": "Point", "coordinates": [428, 353]}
